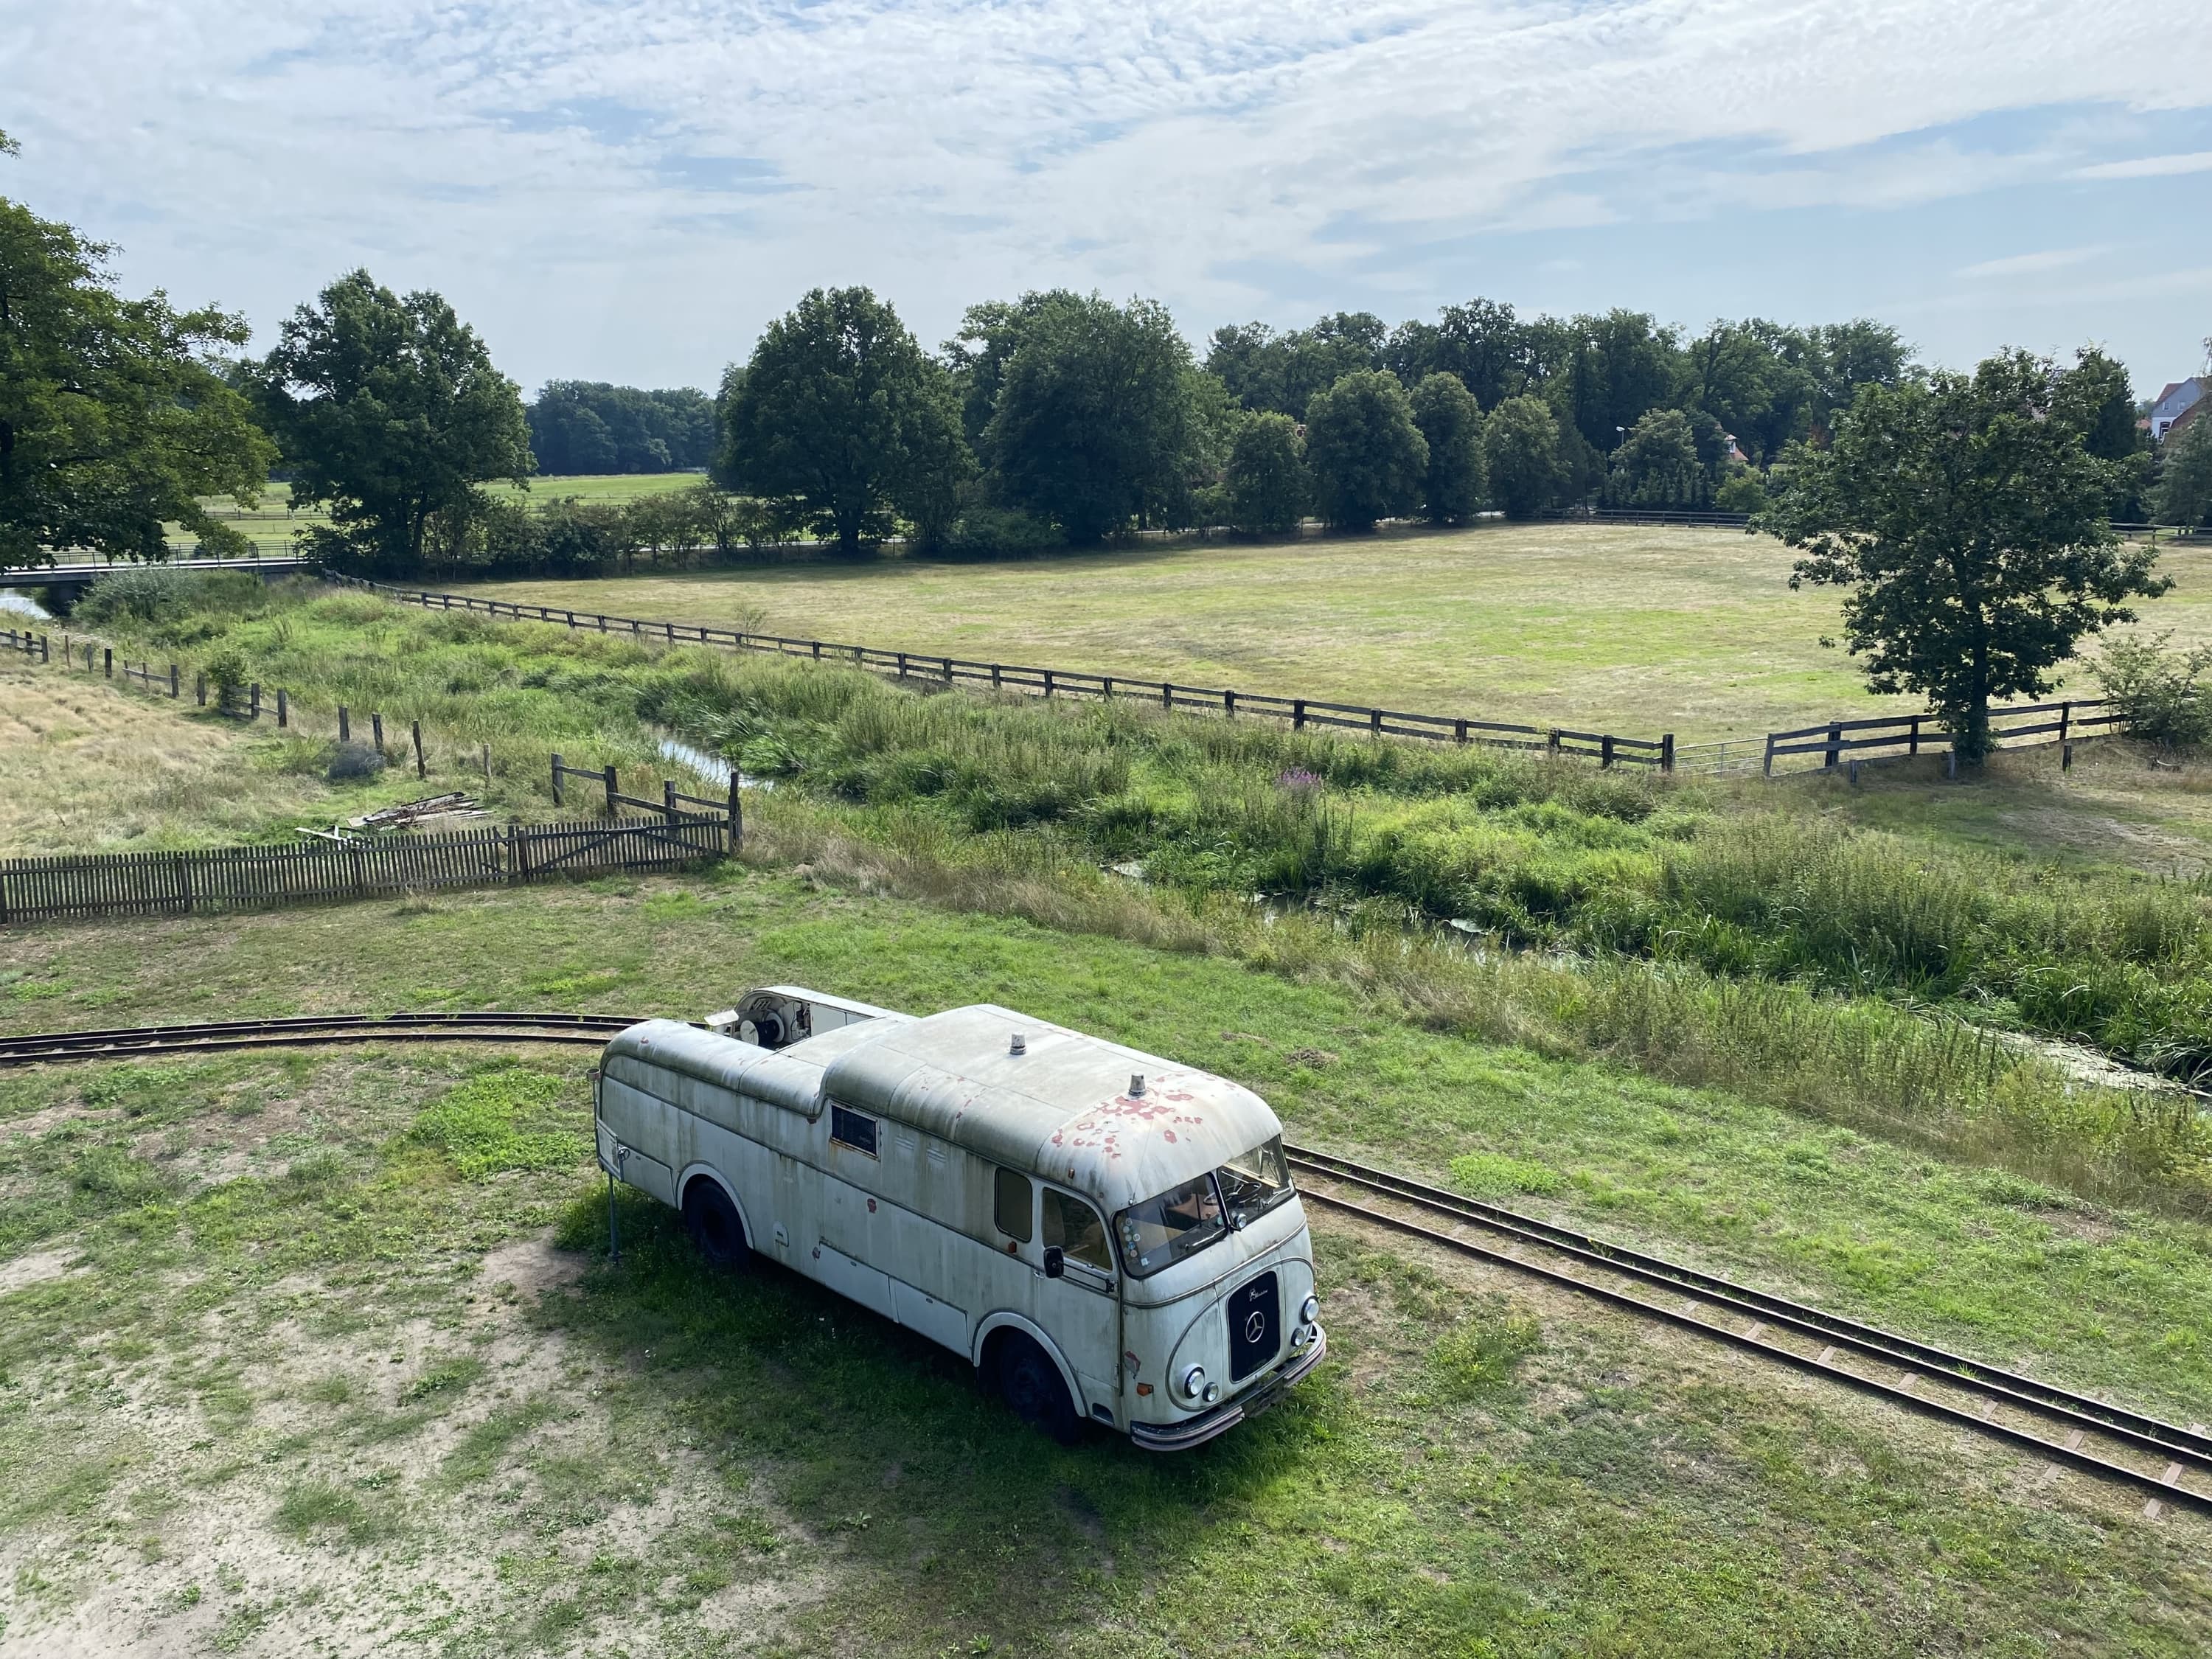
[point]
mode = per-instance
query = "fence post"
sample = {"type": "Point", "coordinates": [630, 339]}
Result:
{"type": "Point", "coordinates": [47, 653]}
{"type": "Point", "coordinates": [737, 813]}
{"type": "Point", "coordinates": [376, 730]}
{"type": "Point", "coordinates": [668, 799]}
{"type": "Point", "coordinates": [2065, 722]}
{"type": "Point", "coordinates": [1298, 715]}
{"type": "Point", "coordinates": [1605, 752]}
{"type": "Point", "coordinates": [253, 699]}
{"type": "Point", "coordinates": [199, 690]}
{"type": "Point", "coordinates": [1912, 742]}
{"type": "Point", "coordinates": [106, 660]}
{"type": "Point", "coordinates": [611, 790]}
{"type": "Point", "coordinates": [998, 677]}
{"type": "Point", "coordinates": [175, 684]}
{"type": "Point", "coordinates": [184, 883]}
{"type": "Point", "coordinates": [517, 854]}
{"type": "Point", "coordinates": [1551, 741]}
{"type": "Point", "coordinates": [283, 709]}
{"type": "Point", "coordinates": [1106, 686]}
{"type": "Point", "coordinates": [948, 670]}
{"type": "Point", "coordinates": [1167, 696]}
{"type": "Point", "coordinates": [1047, 684]}
{"type": "Point", "coordinates": [1229, 704]}
{"type": "Point", "coordinates": [1835, 746]}
{"type": "Point", "coordinates": [422, 768]}
{"type": "Point", "coordinates": [345, 726]}
{"type": "Point", "coordinates": [603, 624]}
{"type": "Point", "coordinates": [556, 780]}
{"type": "Point", "coordinates": [1665, 751]}
{"type": "Point", "coordinates": [1374, 722]}
{"type": "Point", "coordinates": [1767, 768]}
{"type": "Point", "coordinates": [902, 662]}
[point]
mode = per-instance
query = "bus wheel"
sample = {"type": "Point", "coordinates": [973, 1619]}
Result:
{"type": "Point", "coordinates": [712, 1222]}
{"type": "Point", "coordinates": [1032, 1386]}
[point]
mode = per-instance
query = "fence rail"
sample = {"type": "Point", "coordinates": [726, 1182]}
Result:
{"type": "Point", "coordinates": [1608, 749]}
{"type": "Point", "coordinates": [1892, 736]}
{"type": "Point", "coordinates": [260, 877]}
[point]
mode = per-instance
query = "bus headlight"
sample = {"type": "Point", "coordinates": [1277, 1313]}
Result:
{"type": "Point", "coordinates": [1193, 1385]}
{"type": "Point", "coordinates": [1309, 1310]}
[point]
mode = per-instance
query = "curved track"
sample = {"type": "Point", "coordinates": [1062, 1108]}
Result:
{"type": "Point", "coordinates": [2069, 1429]}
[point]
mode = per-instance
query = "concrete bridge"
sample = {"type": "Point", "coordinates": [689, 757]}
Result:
{"type": "Point", "coordinates": [73, 578]}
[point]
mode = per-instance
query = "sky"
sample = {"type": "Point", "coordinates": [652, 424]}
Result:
{"type": "Point", "coordinates": [628, 189]}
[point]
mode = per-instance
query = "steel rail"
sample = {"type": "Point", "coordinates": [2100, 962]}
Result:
{"type": "Point", "coordinates": [2185, 1450]}
{"type": "Point", "coordinates": [297, 1030]}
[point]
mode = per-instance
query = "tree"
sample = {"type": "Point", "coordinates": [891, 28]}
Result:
{"type": "Point", "coordinates": [390, 411]}
{"type": "Point", "coordinates": [116, 414]}
{"type": "Point", "coordinates": [1613, 370]}
{"type": "Point", "coordinates": [1280, 373]}
{"type": "Point", "coordinates": [1488, 348]}
{"type": "Point", "coordinates": [1451, 426]}
{"type": "Point", "coordinates": [1848, 355]}
{"type": "Point", "coordinates": [940, 465]}
{"type": "Point", "coordinates": [1967, 516]}
{"type": "Point", "coordinates": [1657, 465]}
{"type": "Point", "coordinates": [1365, 452]}
{"type": "Point", "coordinates": [1093, 420]}
{"type": "Point", "coordinates": [2183, 495]}
{"type": "Point", "coordinates": [837, 411]}
{"type": "Point", "coordinates": [1521, 449]}
{"type": "Point", "coordinates": [588, 426]}
{"type": "Point", "coordinates": [1266, 477]}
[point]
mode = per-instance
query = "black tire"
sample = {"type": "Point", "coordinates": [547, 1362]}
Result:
{"type": "Point", "coordinates": [717, 1230]}
{"type": "Point", "coordinates": [1031, 1384]}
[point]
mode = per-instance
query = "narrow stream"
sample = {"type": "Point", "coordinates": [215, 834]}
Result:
{"type": "Point", "coordinates": [709, 766]}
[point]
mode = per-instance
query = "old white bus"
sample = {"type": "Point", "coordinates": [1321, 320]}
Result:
{"type": "Point", "coordinates": [1108, 1236]}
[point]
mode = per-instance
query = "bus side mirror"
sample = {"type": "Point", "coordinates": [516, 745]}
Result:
{"type": "Point", "coordinates": [1055, 1262]}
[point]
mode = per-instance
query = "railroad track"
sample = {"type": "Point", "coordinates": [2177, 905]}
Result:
{"type": "Point", "coordinates": [2069, 1429]}
{"type": "Point", "coordinates": [479, 1026]}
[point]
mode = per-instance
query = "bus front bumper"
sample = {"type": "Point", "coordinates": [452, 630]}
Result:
{"type": "Point", "coordinates": [1197, 1431]}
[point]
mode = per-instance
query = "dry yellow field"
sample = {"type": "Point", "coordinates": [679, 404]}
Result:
{"type": "Point", "coordinates": [1631, 629]}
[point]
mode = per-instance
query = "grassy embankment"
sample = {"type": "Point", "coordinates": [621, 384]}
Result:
{"type": "Point", "coordinates": [1613, 628]}
{"type": "Point", "coordinates": [284, 1365]}
{"type": "Point", "coordinates": [1678, 928]}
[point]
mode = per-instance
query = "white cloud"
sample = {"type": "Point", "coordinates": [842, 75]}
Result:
{"type": "Point", "coordinates": [2148, 167]}
{"type": "Point", "coordinates": [549, 166]}
{"type": "Point", "coordinates": [2032, 264]}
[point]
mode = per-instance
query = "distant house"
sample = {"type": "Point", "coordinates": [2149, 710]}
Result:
{"type": "Point", "coordinates": [2176, 404]}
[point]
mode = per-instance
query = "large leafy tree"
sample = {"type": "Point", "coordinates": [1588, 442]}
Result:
{"type": "Point", "coordinates": [1094, 417]}
{"type": "Point", "coordinates": [390, 411]}
{"type": "Point", "coordinates": [1520, 450]}
{"type": "Point", "coordinates": [1280, 373]}
{"type": "Point", "coordinates": [1967, 517]}
{"type": "Point", "coordinates": [2183, 495]}
{"type": "Point", "coordinates": [588, 426]}
{"type": "Point", "coordinates": [1365, 450]}
{"type": "Point", "coordinates": [1657, 465]}
{"type": "Point", "coordinates": [838, 412]}
{"type": "Point", "coordinates": [1451, 426]}
{"type": "Point", "coordinates": [1266, 476]}
{"type": "Point", "coordinates": [117, 416]}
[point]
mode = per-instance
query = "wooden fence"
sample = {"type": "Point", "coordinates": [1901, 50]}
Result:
{"type": "Point", "coordinates": [1608, 749]}
{"type": "Point", "coordinates": [1899, 735]}
{"type": "Point", "coordinates": [260, 878]}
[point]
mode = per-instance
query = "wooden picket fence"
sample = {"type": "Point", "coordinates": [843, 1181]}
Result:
{"type": "Point", "coordinates": [261, 877]}
{"type": "Point", "coordinates": [1607, 749]}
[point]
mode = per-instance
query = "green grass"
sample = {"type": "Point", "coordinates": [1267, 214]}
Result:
{"type": "Point", "coordinates": [1633, 630]}
{"type": "Point", "coordinates": [272, 536]}
{"type": "Point", "coordinates": [646, 1455]}
{"type": "Point", "coordinates": [1747, 915]}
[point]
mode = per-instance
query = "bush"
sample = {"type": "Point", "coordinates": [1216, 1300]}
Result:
{"type": "Point", "coordinates": [1745, 492]}
{"type": "Point", "coordinates": [2155, 688]}
{"type": "Point", "coordinates": [162, 596]}
{"type": "Point", "coordinates": [353, 760]}
{"type": "Point", "coordinates": [228, 673]}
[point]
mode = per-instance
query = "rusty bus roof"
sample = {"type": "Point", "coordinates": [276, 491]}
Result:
{"type": "Point", "coordinates": [1061, 1109]}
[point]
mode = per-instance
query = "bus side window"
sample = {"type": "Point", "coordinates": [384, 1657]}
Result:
{"type": "Point", "coordinates": [1075, 1227]}
{"type": "Point", "coordinates": [1010, 1205]}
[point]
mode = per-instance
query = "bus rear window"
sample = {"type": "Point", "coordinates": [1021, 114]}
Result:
{"type": "Point", "coordinates": [1163, 1231]}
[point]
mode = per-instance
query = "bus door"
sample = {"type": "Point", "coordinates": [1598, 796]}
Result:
{"type": "Point", "coordinates": [1079, 1305]}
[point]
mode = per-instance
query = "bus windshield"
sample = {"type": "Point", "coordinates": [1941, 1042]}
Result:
{"type": "Point", "coordinates": [1163, 1231]}
{"type": "Point", "coordinates": [1253, 1184]}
